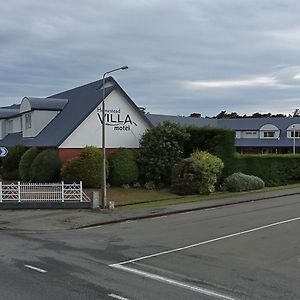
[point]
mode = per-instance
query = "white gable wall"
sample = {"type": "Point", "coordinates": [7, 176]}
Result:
{"type": "Point", "coordinates": [124, 126]}
{"type": "Point", "coordinates": [39, 120]}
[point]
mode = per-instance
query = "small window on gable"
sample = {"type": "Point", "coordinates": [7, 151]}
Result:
{"type": "Point", "coordinates": [27, 121]}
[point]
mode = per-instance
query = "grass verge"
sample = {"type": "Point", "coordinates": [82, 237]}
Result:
{"type": "Point", "coordinates": [138, 198]}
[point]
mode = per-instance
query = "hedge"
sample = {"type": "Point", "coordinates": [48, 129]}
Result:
{"type": "Point", "coordinates": [45, 167]}
{"type": "Point", "coordinates": [26, 162]}
{"type": "Point", "coordinates": [10, 163]}
{"type": "Point", "coordinates": [273, 169]}
{"type": "Point", "coordinates": [86, 168]}
{"type": "Point", "coordinates": [123, 168]}
{"type": "Point", "coordinates": [217, 141]}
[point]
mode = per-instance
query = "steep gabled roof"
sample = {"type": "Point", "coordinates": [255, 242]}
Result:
{"type": "Point", "coordinates": [81, 102]}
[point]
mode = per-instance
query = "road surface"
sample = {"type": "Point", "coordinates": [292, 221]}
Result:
{"type": "Point", "coordinates": [244, 251]}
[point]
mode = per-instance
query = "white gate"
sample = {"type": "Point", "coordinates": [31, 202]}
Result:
{"type": "Point", "coordinates": [40, 192]}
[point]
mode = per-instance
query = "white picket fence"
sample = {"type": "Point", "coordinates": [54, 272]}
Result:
{"type": "Point", "coordinates": [40, 192]}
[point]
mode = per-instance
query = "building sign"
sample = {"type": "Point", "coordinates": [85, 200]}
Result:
{"type": "Point", "coordinates": [116, 119]}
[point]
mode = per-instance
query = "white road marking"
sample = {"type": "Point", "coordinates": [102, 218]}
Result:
{"type": "Point", "coordinates": [35, 269]}
{"type": "Point", "coordinates": [160, 217]}
{"type": "Point", "coordinates": [207, 242]}
{"type": "Point", "coordinates": [117, 297]}
{"type": "Point", "coordinates": [197, 289]}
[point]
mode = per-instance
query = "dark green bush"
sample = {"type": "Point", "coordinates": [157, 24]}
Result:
{"type": "Point", "coordinates": [123, 168]}
{"type": "Point", "coordinates": [10, 163]}
{"type": "Point", "coordinates": [217, 141]}
{"type": "Point", "coordinates": [160, 148]}
{"type": "Point", "coordinates": [239, 182]}
{"type": "Point", "coordinates": [45, 167]}
{"type": "Point", "coordinates": [86, 168]}
{"type": "Point", "coordinates": [26, 161]}
{"type": "Point", "coordinates": [273, 169]}
{"type": "Point", "coordinates": [197, 174]}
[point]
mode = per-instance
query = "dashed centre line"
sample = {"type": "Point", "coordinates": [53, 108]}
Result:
{"type": "Point", "coordinates": [117, 297]}
{"type": "Point", "coordinates": [35, 269]}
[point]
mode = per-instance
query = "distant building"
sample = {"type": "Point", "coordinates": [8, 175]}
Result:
{"type": "Point", "coordinates": [71, 120]}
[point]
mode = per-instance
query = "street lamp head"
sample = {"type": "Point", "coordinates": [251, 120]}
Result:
{"type": "Point", "coordinates": [124, 67]}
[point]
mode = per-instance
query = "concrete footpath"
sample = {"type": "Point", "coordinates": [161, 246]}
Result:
{"type": "Point", "coordinates": [66, 219]}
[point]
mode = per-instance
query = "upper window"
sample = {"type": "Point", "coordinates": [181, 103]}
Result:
{"type": "Point", "coordinates": [269, 131]}
{"type": "Point", "coordinates": [293, 131]}
{"type": "Point", "coordinates": [269, 134]}
{"type": "Point", "coordinates": [27, 121]}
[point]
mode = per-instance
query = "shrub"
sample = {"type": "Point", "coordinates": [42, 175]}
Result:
{"type": "Point", "coordinates": [217, 141]}
{"type": "Point", "coordinates": [197, 174]}
{"type": "Point", "coordinates": [45, 167]}
{"type": "Point", "coordinates": [123, 167]}
{"type": "Point", "coordinates": [160, 148]}
{"type": "Point", "coordinates": [86, 168]}
{"type": "Point", "coordinates": [10, 163]}
{"type": "Point", "coordinates": [239, 182]}
{"type": "Point", "coordinates": [26, 161]}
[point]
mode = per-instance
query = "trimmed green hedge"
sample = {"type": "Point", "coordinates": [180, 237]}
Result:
{"type": "Point", "coordinates": [217, 141]}
{"type": "Point", "coordinates": [273, 169]}
{"type": "Point", "coordinates": [45, 167]}
{"type": "Point", "coordinates": [10, 163]}
{"type": "Point", "coordinates": [123, 168]}
{"type": "Point", "coordinates": [26, 162]}
{"type": "Point", "coordinates": [86, 168]}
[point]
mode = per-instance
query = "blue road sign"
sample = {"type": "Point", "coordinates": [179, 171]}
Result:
{"type": "Point", "coordinates": [3, 151]}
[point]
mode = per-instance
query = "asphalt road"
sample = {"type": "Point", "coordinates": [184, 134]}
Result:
{"type": "Point", "coordinates": [244, 251]}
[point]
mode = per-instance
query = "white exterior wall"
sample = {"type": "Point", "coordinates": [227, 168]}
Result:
{"type": "Point", "coordinates": [39, 120]}
{"type": "Point", "coordinates": [249, 134]}
{"type": "Point", "coordinates": [6, 127]}
{"type": "Point", "coordinates": [124, 126]}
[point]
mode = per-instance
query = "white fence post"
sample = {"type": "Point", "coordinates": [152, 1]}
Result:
{"type": "Point", "coordinates": [62, 192]}
{"type": "Point", "coordinates": [81, 191]}
{"type": "Point", "coordinates": [1, 197]}
{"type": "Point", "coordinates": [19, 191]}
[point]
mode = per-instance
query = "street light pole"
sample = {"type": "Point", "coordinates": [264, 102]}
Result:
{"type": "Point", "coordinates": [294, 140]}
{"type": "Point", "coordinates": [103, 194]}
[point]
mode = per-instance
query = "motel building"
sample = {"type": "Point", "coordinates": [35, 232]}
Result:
{"type": "Point", "coordinates": [71, 120]}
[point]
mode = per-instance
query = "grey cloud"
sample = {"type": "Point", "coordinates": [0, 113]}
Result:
{"type": "Point", "coordinates": [47, 47]}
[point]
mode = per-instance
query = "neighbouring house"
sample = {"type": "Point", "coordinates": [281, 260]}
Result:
{"type": "Point", "coordinates": [71, 120]}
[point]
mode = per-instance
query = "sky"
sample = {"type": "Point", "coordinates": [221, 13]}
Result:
{"type": "Point", "coordinates": [185, 56]}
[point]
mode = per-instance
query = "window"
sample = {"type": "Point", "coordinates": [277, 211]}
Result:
{"type": "Point", "coordinates": [297, 134]}
{"type": "Point", "coordinates": [269, 134]}
{"type": "Point", "coordinates": [27, 121]}
{"type": "Point", "coordinates": [9, 126]}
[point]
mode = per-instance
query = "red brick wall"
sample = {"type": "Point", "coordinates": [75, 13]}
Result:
{"type": "Point", "coordinates": [68, 153]}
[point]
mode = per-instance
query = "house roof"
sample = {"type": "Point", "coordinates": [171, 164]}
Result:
{"type": "Point", "coordinates": [76, 105]}
{"type": "Point", "coordinates": [45, 103]}
{"type": "Point", "coordinates": [238, 124]}
{"type": "Point", "coordinates": [6, 113]}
